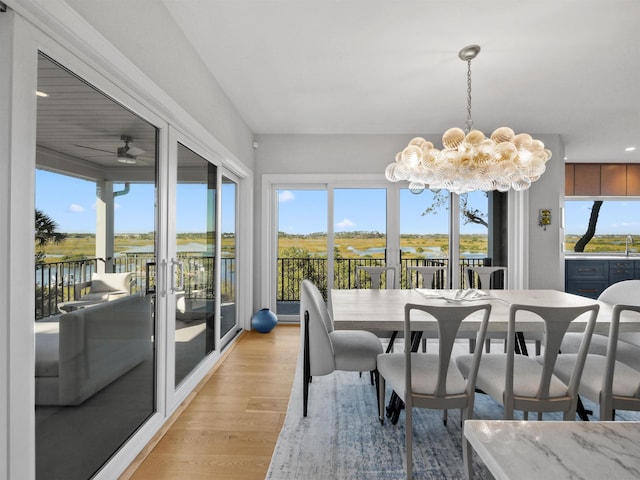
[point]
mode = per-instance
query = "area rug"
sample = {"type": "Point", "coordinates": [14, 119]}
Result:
{"type": "Point", "coordinates": [341, 437]}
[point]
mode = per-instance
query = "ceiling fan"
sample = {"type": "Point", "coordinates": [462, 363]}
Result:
{"type": "Point", "coordinates": [126, 154]}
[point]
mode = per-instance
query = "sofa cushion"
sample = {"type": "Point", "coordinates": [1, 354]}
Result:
{"type": "Point", "coordinates": [109, 282]}
{"type": "Point", "coordinates": [47, 338]}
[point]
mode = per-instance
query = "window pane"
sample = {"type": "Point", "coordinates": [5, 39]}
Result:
{"type": "Point", "coordinates": [615, 220]}
{"type": "Point", "coordinates": [302, 245]}
{"type": "Point", "coordinates": [195, 244]}
{"type": "Point", "coordinates": [424, 232]}
{"type": "Point", "coordinates": [360, 226]}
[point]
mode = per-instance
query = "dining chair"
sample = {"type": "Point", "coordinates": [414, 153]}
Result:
{"type": "Point", "coordinates": [520, 382]}
{"type": "Point", "coordinates": [377, 276]}
{"type": "Point", "coordinates": [480, 276]}
{"type": "Point", "coordinates": [606, 381]}
{"type": "Point", "coordinates": [626, 292]}
{"type": "Point", "coordinates": [430, 380]}
{"type": "Point", "coordinates": [326, 350]}
{"type": "Point", "coordinates": [429, 274]}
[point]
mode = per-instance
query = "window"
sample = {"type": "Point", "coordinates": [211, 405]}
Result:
{"type": "Point", "coordinates": [615, 220]}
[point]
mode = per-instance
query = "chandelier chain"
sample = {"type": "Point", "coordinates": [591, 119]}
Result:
{"type": "Point", "coordinates": [469, 124]}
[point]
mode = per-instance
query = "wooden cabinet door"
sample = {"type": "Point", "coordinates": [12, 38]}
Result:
{"type": "Point", "coordinates": [587, 179]}
{"type": "Point", "coordinates": [613, 179]}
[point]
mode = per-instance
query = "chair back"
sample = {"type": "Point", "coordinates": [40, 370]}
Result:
{"type": "Point", "coordinates": [375, 275]}
{"type": "Point", "coordinates": [626, 292]}
{"type": "Point", "coordinates": [612, 347]}
{"type": "Point", "coordinates": [314, 319]}
{"type": "Point", "coordinates": [485, 276]}
{"type": "Point", "coordinates": [428, 275]}
{"type": "Point", "coordinates": [449, 320]}
{"type": "Point", "coordinates": [556, 322]}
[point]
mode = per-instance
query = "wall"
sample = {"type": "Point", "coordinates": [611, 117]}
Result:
{"type": "Point", "coordinates": [370, 154]}
{"type": "Point", "coordinates": [546, 260]}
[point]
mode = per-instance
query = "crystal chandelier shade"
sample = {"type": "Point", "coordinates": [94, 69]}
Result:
{"type": "Point", "coordinates": [470, 161]}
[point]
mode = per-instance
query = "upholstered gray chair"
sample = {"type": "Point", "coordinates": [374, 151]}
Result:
{"type": "Point", "coordinates": [325, 349]}
{"type": "Point", "coordinates": [605, 381]}
{"type": "Point", "coordinates": [520, 382]}
{"type": "Point", "coordinates": [430, 380]}
{"type": "Point", "coordinates": [626, 292]}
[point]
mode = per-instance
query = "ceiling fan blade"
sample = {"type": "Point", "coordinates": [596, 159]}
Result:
{"type": "Point", "coordinates": [134, 151]}
{"type": "Point", "coordinates": [92, 148]}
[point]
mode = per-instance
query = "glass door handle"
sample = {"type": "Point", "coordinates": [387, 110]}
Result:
{"type": "Point", "coordinates": [177, 264]}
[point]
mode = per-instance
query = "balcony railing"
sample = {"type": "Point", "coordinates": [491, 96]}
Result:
{"type": "Point", "coordinates": [291, 271]}
{"type": "Point", "coordinates": [66, 281]}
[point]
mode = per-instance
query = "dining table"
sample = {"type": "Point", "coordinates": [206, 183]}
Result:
{"type": "Point", "coordinates": [382, 310]}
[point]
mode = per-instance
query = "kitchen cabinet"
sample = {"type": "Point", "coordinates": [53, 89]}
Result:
{"type": "Point", "coordinates": [589, 277]}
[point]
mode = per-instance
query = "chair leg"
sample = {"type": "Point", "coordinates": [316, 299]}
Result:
{"type": "Point", "coordinates": [373, 382]}
{"type": "Point", "coordinates": [306, 375]}
{"type": "Point", "coordinates": [376, 379]}
{"type": "Point", "coordinates": [445, 416]}
{"type": "Point", "coordinates": [472, 345]}
{"type": "Point", "coordinates": [409, 441]}
{"type": "Point", "coordinates": [381, 394]}
{"type": "Point", "coordinates": [488, 345]}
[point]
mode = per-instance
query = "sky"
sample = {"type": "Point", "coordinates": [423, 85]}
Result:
{"type": "Point", "coordinates": [617, 217]}
{"type": "Point", "coordinates": [358, 209]}
{"type": "Point", "coordinates": [71, 203]}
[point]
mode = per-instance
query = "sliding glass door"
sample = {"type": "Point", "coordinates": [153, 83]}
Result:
{"type": "Point", "coordinates": [228, 258]}
{"type": "Point", "coordinates": [96, 231]}
{"type": "Point", "coordinates": [193, 267]}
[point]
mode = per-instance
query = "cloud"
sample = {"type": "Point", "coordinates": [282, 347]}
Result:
{"type": "Point", "coordinates": [346, 223]}
{"type": "Point", "coordinates": [285, 196]}
{"type": "Point", "coordinates": [75, 208]}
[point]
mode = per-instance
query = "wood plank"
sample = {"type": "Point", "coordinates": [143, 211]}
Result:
{"type": "Point", "coordinates": [230, 426]}
{"type": "Point", "coordinates": [613, 179]}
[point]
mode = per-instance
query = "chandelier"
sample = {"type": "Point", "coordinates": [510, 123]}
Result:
{"type": "Point", "coordinates": [470, 161]}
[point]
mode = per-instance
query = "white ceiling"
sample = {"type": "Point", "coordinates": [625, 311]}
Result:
{"type": "Point", "coordinates": [570, 67]}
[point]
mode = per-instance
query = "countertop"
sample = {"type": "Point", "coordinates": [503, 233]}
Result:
{"type": "Point", "coordinates": [557, 449]}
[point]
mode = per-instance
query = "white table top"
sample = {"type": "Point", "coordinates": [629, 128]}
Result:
{"type": "Point", "coordinates": [383, 310]}
{"type": "Point", "coordinates": [579, 450]}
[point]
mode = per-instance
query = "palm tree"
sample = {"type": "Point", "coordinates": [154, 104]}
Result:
{"type": "Point", "coordinates": [46, 233]}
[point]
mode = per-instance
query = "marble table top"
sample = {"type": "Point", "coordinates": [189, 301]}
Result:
{"type": "Point", "coordinates": [557, 450]}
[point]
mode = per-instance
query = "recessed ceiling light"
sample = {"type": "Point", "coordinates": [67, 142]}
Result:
{"type": "Point", "coordinates": [630, 149]}
{"type": "Point", "coordinates": [41, 94]}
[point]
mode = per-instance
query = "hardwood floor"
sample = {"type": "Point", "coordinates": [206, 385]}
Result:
{"type": "Point", "coordinates": [230, 427]}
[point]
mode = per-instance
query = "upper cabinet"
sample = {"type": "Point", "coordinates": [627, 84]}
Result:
{"type": "Point", "coordinates": [602, 179]}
